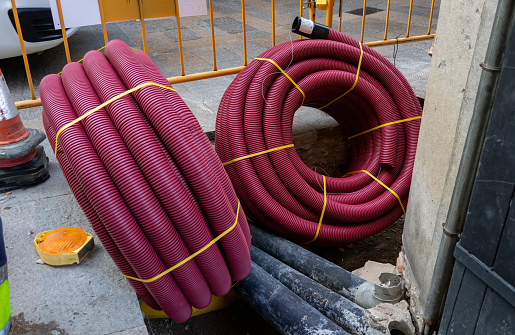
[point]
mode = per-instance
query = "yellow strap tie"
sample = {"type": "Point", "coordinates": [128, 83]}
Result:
{"type": "Point", "coordinates": [257, 154]}
{"type": "Point", "coordinates": [193, 255]}
{"type": "Point", "coordinates": [323, 212]}
{"type": "Point", "coordinates": [382, 184]}
{"type": "Point", "coordinates": [384, 125]}
{"type": "Point", "coordinates": [287, 76]}
{"type": "Point", "coordinates": [102, 48]}
{"type": "Point", "coordinates": [355, 80]}
{"type": "Point", "coordinates": [121, 95]}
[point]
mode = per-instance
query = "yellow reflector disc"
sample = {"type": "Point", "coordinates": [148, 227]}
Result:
{"type": "Point", "coordinates": [63, 246]}
{"type": "Point", "coordinates": [63, 240]}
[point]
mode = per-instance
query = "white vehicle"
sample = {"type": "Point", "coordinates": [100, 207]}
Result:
{"type": "Point", "coordinates": [37, 28]}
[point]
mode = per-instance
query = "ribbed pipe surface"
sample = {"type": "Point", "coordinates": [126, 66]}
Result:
{"type": "Point", "coordinates": [147, 179]}
{"type": "Point", "coordinates": [278, 189]}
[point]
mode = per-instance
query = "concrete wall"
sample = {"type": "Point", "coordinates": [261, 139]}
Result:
{"type": "Point", "coordinates": [462, 36]}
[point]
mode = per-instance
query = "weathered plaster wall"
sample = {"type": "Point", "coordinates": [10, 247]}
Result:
{"type": "Point", "coordinates": [462, 36]}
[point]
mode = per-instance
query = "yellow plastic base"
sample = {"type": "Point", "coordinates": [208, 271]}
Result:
{"type": "Point", "coordinates": [217, 303]}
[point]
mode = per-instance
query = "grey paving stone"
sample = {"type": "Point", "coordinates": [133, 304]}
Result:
{"type": "Point", "coordinates": [418, 81]}
{"type": "Point", "coordinates": [90, 298]}
{"type": "Point", "coordinates": [254, 50]}
{"type": "Point", "coordinates": [264, 13]}
{"type": "Point", "coordinates": [229, 25]}
{"type": "Point", "coordinates": [186, 34]}
{"type": "Point", "coordinates": [85, 39]}
{"type": "Point", "coordinates": [369, 10]}
{"type": "Point", "coordinates": [130, 27]}
{"type": "Point", "coordinates": [170, 66]}
{"type": "Point", "coordinates": [114, 31]}
{"type": "Point", "coordinates": [159, 24]}
{"type": "Point", "coordinates": [203, 107]}
{"type": "Point", "coordinates": [222, 54]}
{"type": "Point", "coordinates": [226, 7]}
{"type": "Point", "coordinates": [355, 4]}
{"type": "Point", "coordinates": [205, 26]}
{"type": "Point", "coordinates": [416, 10]}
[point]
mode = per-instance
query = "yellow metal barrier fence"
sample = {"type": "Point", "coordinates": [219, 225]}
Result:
{"type": "Point", "coordinates": [311, 4]}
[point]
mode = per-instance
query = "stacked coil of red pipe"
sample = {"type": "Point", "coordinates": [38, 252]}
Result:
{"type": "Point", "coordinates": [277, 189]}
{"type": "Point", "coordinates": [147, 179]}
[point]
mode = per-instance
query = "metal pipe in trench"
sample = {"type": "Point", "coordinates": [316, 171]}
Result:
{"type": "Point", "coordinates": [352, 287]}
{"type": "Point", "coordinates": [350, 316]}
{"type": "Point", "coordinates": [469, 163]}
{"type": "Point", "coordinates": [286, 311]}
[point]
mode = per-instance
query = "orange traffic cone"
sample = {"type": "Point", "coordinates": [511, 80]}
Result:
{"type": "Point", "coordinates": [22, 161]}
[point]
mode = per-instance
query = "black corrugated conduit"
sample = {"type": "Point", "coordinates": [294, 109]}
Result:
{"type": "Point", "coordinates": [147, 179]}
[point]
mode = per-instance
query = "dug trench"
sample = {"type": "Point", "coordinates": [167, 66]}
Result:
{"type": "Point", "coordinates": [327, 151]}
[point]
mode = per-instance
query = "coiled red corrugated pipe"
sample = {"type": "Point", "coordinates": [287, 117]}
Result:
{"type": "Point", "coordinates": [277, 189]}
{"type": "Point", "coordinates": [147, 179]}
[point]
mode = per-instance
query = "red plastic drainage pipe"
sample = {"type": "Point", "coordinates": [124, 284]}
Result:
{"type": "Point", "coordinates": [147, 179]}
{"type": "Point", "coordinates": [278, 189]}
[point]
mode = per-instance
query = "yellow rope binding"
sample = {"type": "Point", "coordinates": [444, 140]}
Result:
{"type": "Point", "coordinates": [384, 125]}
{"type": "Point", "coordinates": [184, 261]}
{"type": "Point", "coordinates": [355, 80]}
{"type": "Point", "coordinates": [121, 95]}
{"type": "Point", "coordinates": [257, 154]}
{"type": "Point", "coordinates": [287, 76]}
{"type": "Point", "coordinates": [323, 212]}
{"type": "Point", "coordinates": [102, 48]}
{"type": "Point", "coordinates": [381, 183]}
